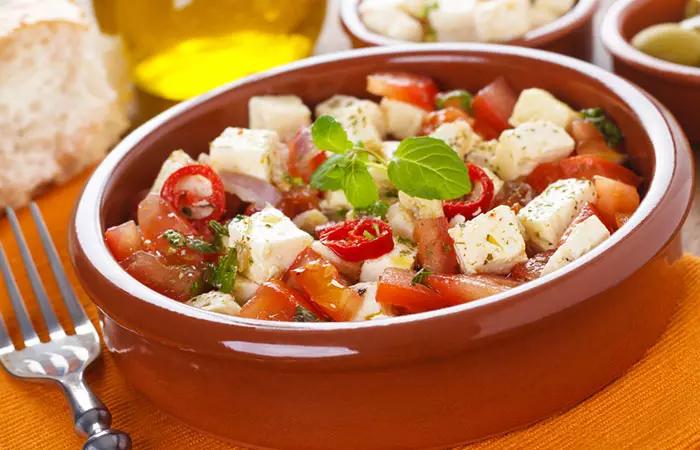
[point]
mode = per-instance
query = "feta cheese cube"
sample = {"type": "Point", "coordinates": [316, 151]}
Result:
{"type": "Point", "coordinates": [584, 237]}
{"type": "Point", "coordinates": [483, 153]}
{"type": "Point", "coordinates": [456, 221]}
{"type": "Point", "coordinates": [558, 7]}
{"type": "Point", "coordinates": [369, 309]}
{"type": "Point", "coordinates": [402, 257]}
{"type": "Point", "coordinates": [548, 215]}
{"type": "Point", "coordinates": [402, 119]}
{"type": "Point", "coordinates": [333, 104]}
{"type": "Point", "coordinates": [283, 114]}
{"type": "Point", "coordinates": [537, 104]}
{"type": "Point", "coordinates": [388, 19]}
{"type": "Point", "coordinates": [270, 241]}
{"type": "Point", "coordinates": [401, 221]}
{"type": "Point", "coordinates": [176, 161]}
{"type": "Point", "coordinates": [360, 123]}
{"type": "Point", "coordinates": [520, 150]}
{"type": "Point", "coordinates": [310, 220]}
{"type": "Point", "coordinates": [490, 243]}
{"type": "Point", "coordinates": [216, 301]}
{"type": "Point", "coordinates": [348, 269]}
{"type": "Point", "coordinates": [389, 148]}
{"type": "Point", "coordinates": [453, 21]}
{"type": "Point", "coordinates": [244, 289]}
{"type": "Point", "coordinates": [458, 135]}
{"type": "Point", "coordinates": [420, 207]}
{"type": "Point", "coordinates": [541, 16]}
{"type": "Point", "coordinates": [501, 20]}
{"type": "Point", "coordinates": [244, 151]}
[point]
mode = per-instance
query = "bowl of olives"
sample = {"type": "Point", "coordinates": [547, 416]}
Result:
{"type": "Point", "coordinates": [656, 44]}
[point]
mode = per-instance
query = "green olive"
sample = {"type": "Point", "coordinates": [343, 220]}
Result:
{"type": "Point", "coordinates": [692, 8]}
{"type": "Point", "coordinates": [668, 41]}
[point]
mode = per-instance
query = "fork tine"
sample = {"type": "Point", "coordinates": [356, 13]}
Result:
{"type": "Point", "coordinates": [25, 325]}
{"type": "Point", "coordinates": [6, 345]}
{"type": "Point", "coordinates": [55, 329]}
{"type": "Point", "coordinates": [76, 311]}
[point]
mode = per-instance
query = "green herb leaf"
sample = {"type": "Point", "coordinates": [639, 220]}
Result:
{"type": "Point", "coordinates": [328, 134]}
{"type": "Point", "coordinates": [377, 209]}
{"type": "Point", "coordinates": [179, 240]}
{"type": "Point", "coordinates": [222, 275]}
{"type": "Point", "coordinates": [426, 167]}
{"type": "Point", "coordinates": [369, 236]}
{"type": "Point", "coordinates": [294, 181]}
{"type": "Point", "coordinates": [220, 233]}
{"type": "Point", "coordinates": [610, 131]}
{"type": "Point", "coordinates": [420, 277]}
{"type": "Point", "coordinates": [358, 185]}
{"type": "Point", "coordinates": [459, 98]}
{"type": "Point", "coordinates": [330, 174]}
{"type": "Point", "coordinates": [406, 242]}
{"type": "Point", "coordinates": [302, 314]}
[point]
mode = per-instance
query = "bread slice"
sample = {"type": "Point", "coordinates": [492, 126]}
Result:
{"type": "Point", "coordinates": [59, 113]}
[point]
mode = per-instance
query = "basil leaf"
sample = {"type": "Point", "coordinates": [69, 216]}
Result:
{"type": "Point", "coordinates": [358, 185]}
{"type": "Point", "coordinates": [328, 134]}
{"type": "Point", "coordinates": [426, 167]}
{"type": "Point", "coordinates": [330, 174]}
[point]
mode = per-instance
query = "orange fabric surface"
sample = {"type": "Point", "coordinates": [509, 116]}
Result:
{"type": "Point", "coordinates": [656, 405]}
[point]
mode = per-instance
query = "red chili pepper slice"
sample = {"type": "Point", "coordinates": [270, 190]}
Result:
{"type": "Point", "coordinates": [470, 208]}
{"type": "Point", "coordinates": [198, 207]}
{"type": "Point", "coordinates": [358, 240]}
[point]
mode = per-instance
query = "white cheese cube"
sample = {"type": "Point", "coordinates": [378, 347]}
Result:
{"type": "Point", "coordinates": [283, 114]}
{"type": "Point", "coordinates": [349, 269]}
{"type": "Point", "coordinates": [537, 104]}
{"type": "Point", "coordinates": [401, 221]}
{"type": "Point", "coordinates": [271, 242]}
{"type": "Point", "coordinates": [458, 135]}
{"type": "Point", "coordinates": [388, 19]}
{"type": "Point", "coordinates": [416, 8]}
{"type": "Point", "coordinates": [558, 7]}
{"type": "Point", "coordinates": [456, 221]}
{"type": "Point", "coordinates": [501, 20]}
{"type": "Point", "coordinates": [310, 220]}
{"type": "Point", "coordinates": [489, 243]}
{"type": "Point", "coordinates": [548, 215]}
{"type": "Point", "coordinates": [335, 202]}
{"type": "Point", "coordinates": [421, 208]}
{"type": "Point", "coordinates": [369, 309]}
{"type": "Point", "coordinates": [483, 153]}
{"type": "Point", "coordinates": [520, 150]}
{"type": "Point", "coordinates": [389, 148]}
{"type": "Point", "coordinates": [216, 301]}
{"type": "Point", "coordinates": [402, 257]}
{"type": "Point", "coordinates": [497, 182]}
{"type": "Point", "coordinates": [360, 122]}
{"type": "Point", "coordinates": [333, 104]}
{"type": "Point", "coordinates": [176, 161]}
{"type": "Point", "coordinates": [453, 21]}
{"type": "Point", "coordinates": [584, 237]}
{"type": "Point", "coordinates": [244, 289]}
{"type": "Point", "coordinates": [244, 151]}
{"type": "Point", "coordinates": [336, 104]}
{"type": "Point", "coordinates": [402, 119]}
{"type": "Point", "coordinates": [541, 16]}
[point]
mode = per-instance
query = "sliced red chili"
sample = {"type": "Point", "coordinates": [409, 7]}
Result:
{"type": "Point", "coordinates": [359, 239]}
{"type": "Point", "coordinates": [472, 207]}
{"type": "Point", "coordinates": [198, 207]}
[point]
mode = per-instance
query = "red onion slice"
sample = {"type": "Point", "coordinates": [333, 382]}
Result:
{"type": "Point", "coordinates": [250, 189]}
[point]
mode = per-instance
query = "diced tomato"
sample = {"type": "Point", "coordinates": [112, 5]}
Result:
{"type": "Point", "coordinates": [436, 250]}
{"type": "Point", "coordinates": [492, 107]}
{"type": "Point", "coordinates": [395, 288]}
{"type": "Point", "coordinates": [304, 156]}
{"type": "Point", "coordinates": [583, 130]}
{"type": "Point", "coordinates": [621, 219]}
{"type": "Point", "coordinates": [321, 281]}
{"type": "Point", "coordinates": [514, 194]}
{"type": "Point", "coordinates": [458, 289]}
{"type": "Point", "coordinates": [275, 301]}
{"type": "Point", "coordinates": [415, 89]}
{"type": "Point", "coordinates": [124, 240]}
{"type": "Point", "coordinates": [302, 259]}
{"type": "Point", "coordinates": [586, 167]}
{"type": "Point", "coordinates": [544, 175]}
{"type": "Point", "coordinates": [175, 282]}
{"type": "Point", "coordinates": [615, 198]}
{"type": "Point", "coordinates": [532, 268]}
{"type": "Point", "coordinates": [433, 120]}
{"type": "Point", "coordinates": [297, 200]}
{"type": "Point", "coordinates": [601, 150]}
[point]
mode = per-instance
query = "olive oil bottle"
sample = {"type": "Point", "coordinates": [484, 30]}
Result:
{"type": "Point", "coordinates": [180, 48]}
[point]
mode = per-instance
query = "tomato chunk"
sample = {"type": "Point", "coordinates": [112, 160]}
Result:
{"type": "Point", "coordinates": [492, 107]}
{"type": "Point", "coordinates": [615, 199]}
{"type": "Point", "coordinates": [458, 289]}
{"type": "Point", "coordinates": [297, 200]}
{"type": "Point", "coordinates": [532, 268]}
{"type": "Point", "coordinates": [433, 120]}
{"type": "Point", "coordinates": [124, 240]}
{"type": "Point", "coordinates": [436, 250]}
{"type": "Point", "coordinates": [275, 301]}
{"type": "Point", "coordinates": [415, 89]}
{"type": "Point", "coordinates": [177, 282]}
{"type": "Point", "coordinates": [583, 167]}
{"type": "Point", "coordinates": [395, 288]}
{"type": "Point", "coordinates": [320, 280]}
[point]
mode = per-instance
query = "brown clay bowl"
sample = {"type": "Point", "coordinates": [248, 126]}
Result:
{"type": "Point", "coordinates": [571, 34]}
{"type": "Point", "coordinates": [429, 380]}
{"type": "Point", "coordinates": [674, 85]}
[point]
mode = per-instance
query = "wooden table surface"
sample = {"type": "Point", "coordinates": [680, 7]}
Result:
{"type": "Point", "coordinates": [333, 39]}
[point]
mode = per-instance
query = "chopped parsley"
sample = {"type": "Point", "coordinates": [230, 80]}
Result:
{"type": "Point", "coordinates": [302, 314]}
{"type": "Point", "coordinates": [179, 240]}
{"type": "Point", "coordinates": [420, 277]}
{"type": "Point", "coordinates": [222, 275]}
{"type": "Point", "coordinates": [607, 128]}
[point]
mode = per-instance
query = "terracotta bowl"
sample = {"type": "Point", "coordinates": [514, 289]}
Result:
{"type": "Point", "coordinates": [571, 34]}
{"type": "Point", "coordinates": [429, 380]}
{"type": "Point", "coordinates": [675, 85]}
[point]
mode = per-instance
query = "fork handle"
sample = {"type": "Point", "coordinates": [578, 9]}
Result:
{"type": "Point", "coordinates": [92, 419]}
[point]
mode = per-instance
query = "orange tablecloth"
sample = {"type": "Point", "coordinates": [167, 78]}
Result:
{"type": "Point", "coordinates": [656, 405]}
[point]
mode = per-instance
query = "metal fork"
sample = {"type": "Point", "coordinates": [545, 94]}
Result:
{"type": "Point", "coordinates": [63, 359]}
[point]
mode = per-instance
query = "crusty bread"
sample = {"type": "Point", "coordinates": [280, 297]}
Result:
{"type": "Point", "coordinates": [59, 112]}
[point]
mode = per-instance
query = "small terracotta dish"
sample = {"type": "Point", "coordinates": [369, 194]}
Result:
{"type": "Point", "coordinates": [429, 380]}
{"type": "Point", "coordinates": [674, 85]}
{"type": "Point", "coordinates": [571, 34]}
